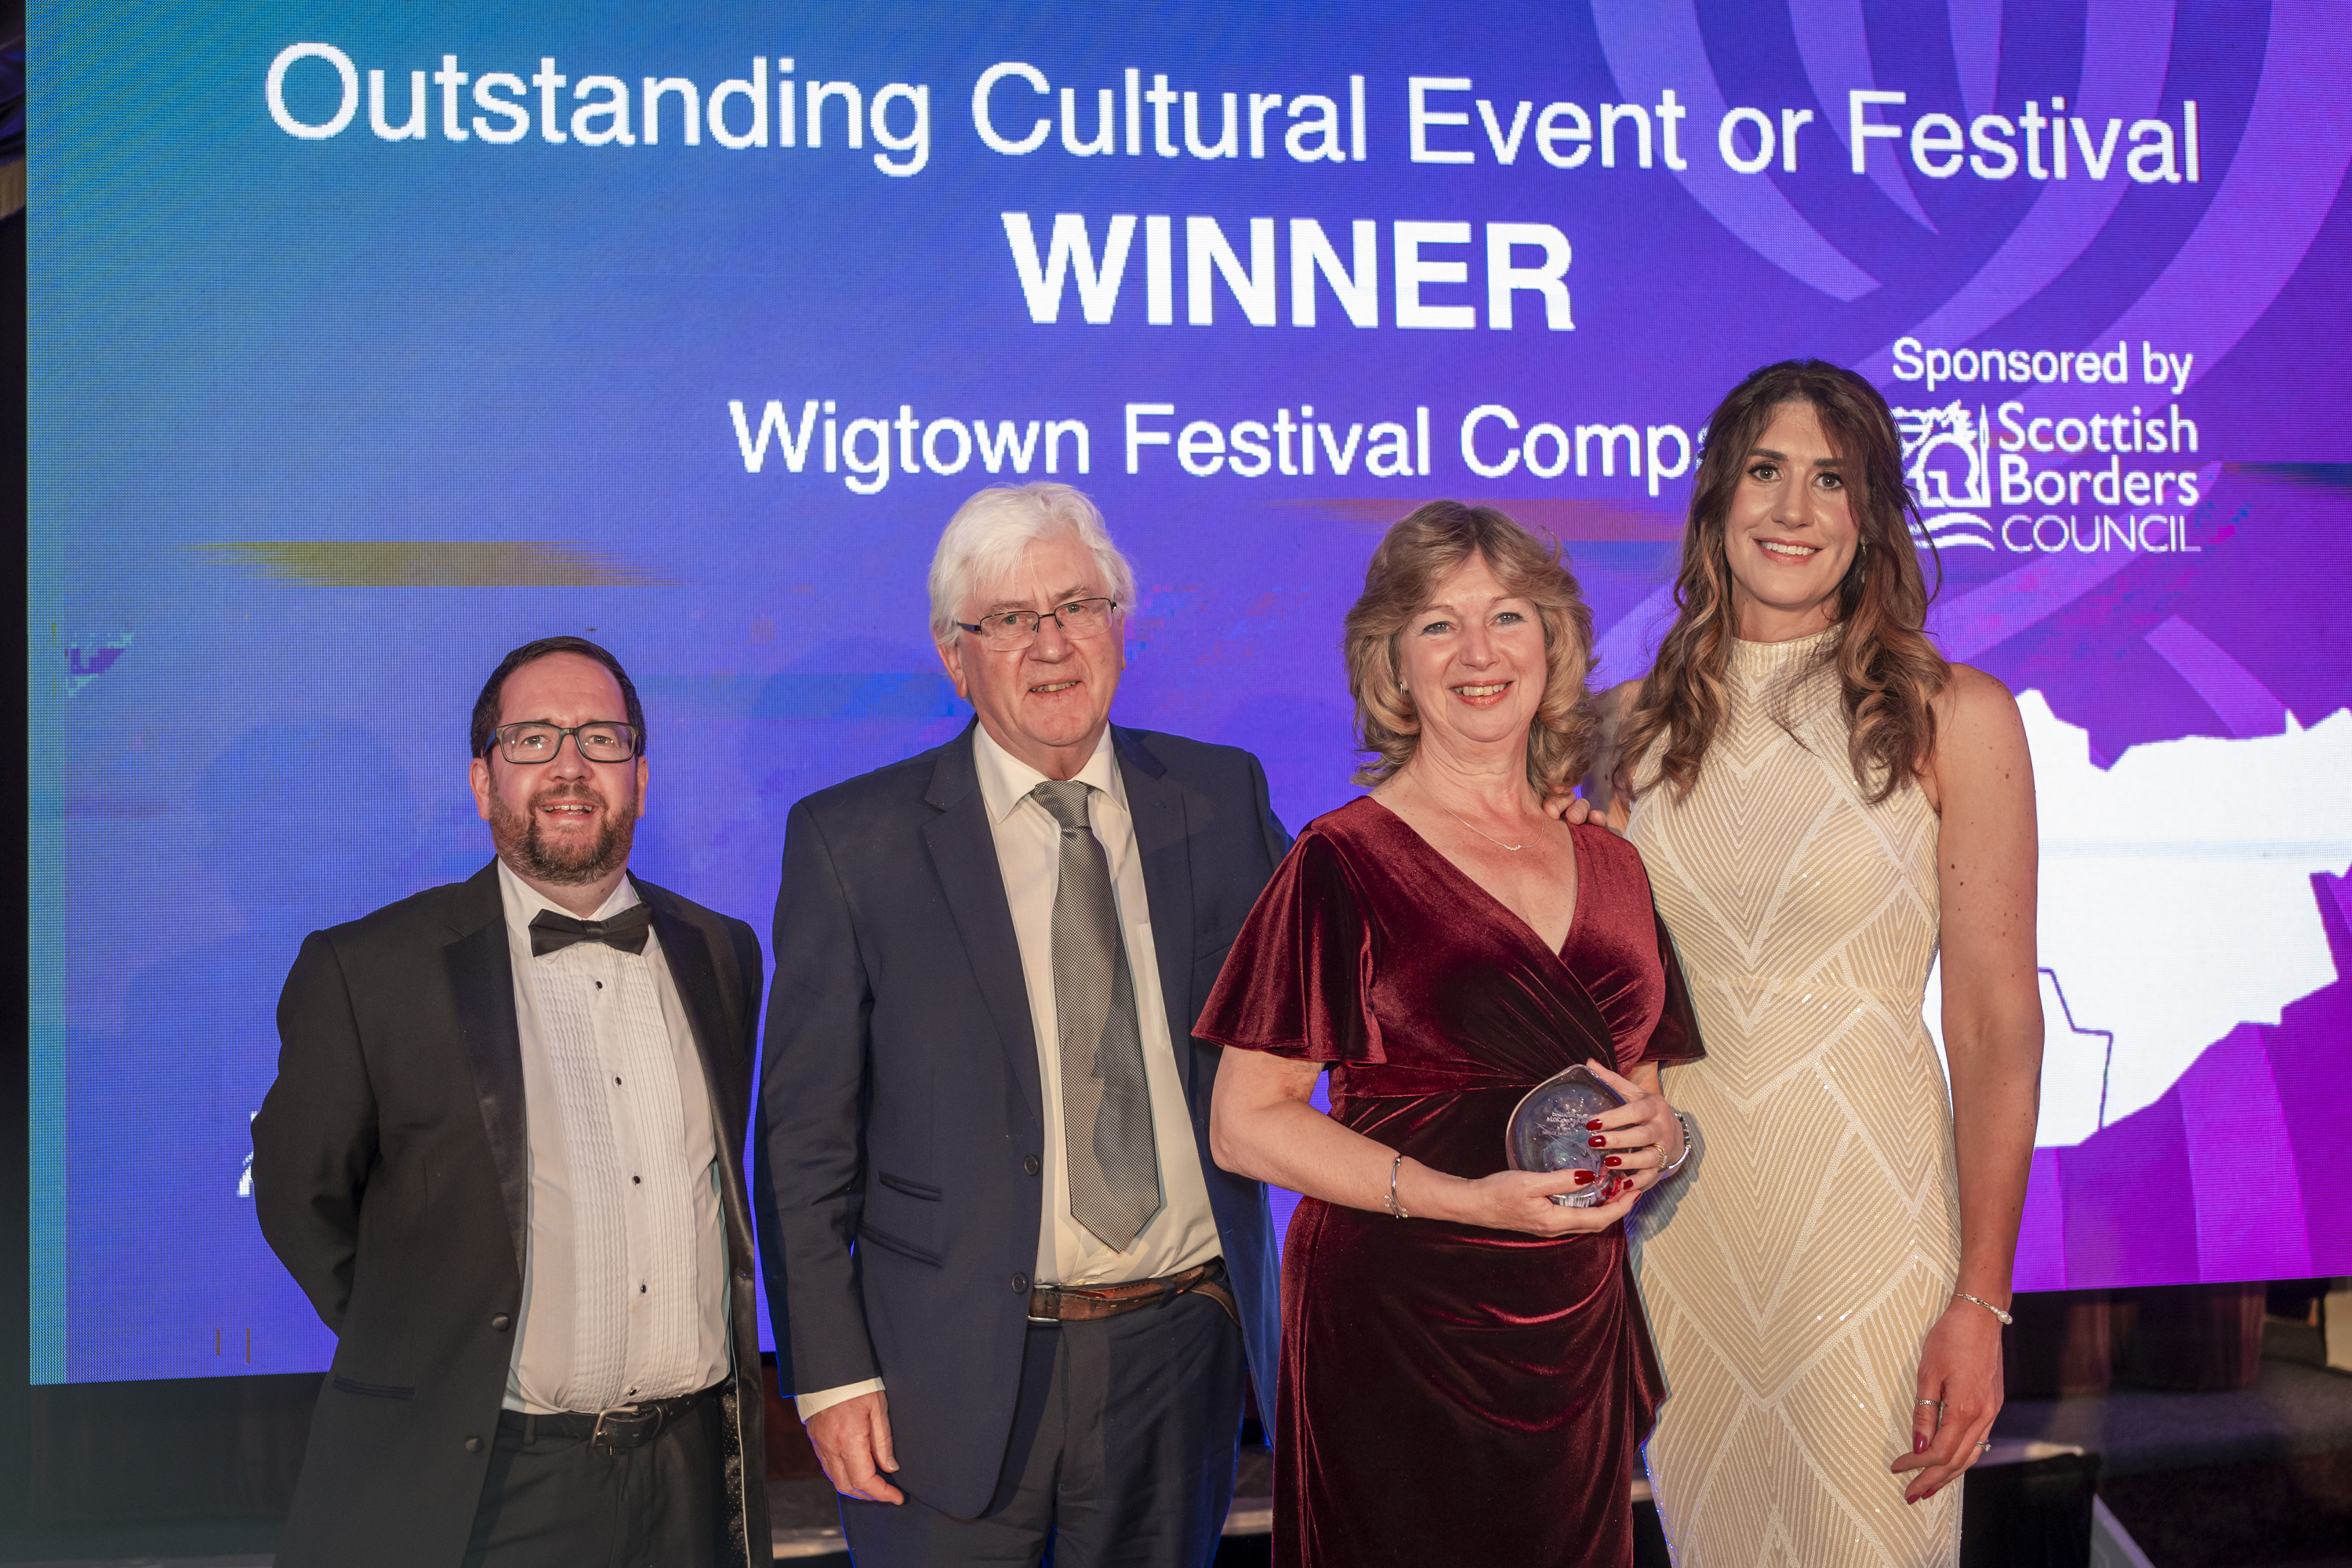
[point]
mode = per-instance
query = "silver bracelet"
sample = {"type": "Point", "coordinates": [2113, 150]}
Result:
{"type": "Point", "coordinates": [2005, 1319]}
{"type": "Point", "coordinates": [1665, 1171]}
{"type": "Point", "coordinates": [1396, 1209]}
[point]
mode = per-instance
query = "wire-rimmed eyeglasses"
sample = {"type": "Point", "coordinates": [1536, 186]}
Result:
{"type": "Point", "coordinates": [1009, 629]}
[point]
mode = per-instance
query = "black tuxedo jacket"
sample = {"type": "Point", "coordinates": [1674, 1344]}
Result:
{"type": "Point", "coordinates": [390, 1174]}
{"type": "Point", "coordinates": [896, 1175]}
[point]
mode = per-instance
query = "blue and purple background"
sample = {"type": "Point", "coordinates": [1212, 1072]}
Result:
{"type": "Point", "coordinates": [324, 424]}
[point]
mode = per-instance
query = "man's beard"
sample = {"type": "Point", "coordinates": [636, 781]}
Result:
{"type": "Point", "coordinates": [521, 844]}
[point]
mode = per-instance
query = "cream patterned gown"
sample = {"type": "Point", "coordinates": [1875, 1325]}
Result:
{"type": "Point", "coordinates": [1792, 1272]}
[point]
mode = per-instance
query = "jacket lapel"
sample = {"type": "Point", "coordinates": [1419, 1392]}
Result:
{"type": "Point", "coordinates": [687, 948]}
{"type": "Point", "coordinates": [481, 979]}
{"type": "Point", "coordinates": [963, 852]}
{"type": "Point", "coordinates": [1155, 804]}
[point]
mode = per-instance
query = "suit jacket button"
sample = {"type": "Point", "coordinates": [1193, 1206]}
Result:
{"type": "Point", "coordinates": [473, 1445]}
{"type": "Point", "coordinates": [501, 1323]}
{"type": "Point", "coordinates": [1033, 1165]}
{"type": "Point", "coordinates": [1021, 1284]}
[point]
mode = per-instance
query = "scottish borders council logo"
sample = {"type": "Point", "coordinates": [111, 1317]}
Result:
{"type": "Point", "coordinates": [1941, 446]}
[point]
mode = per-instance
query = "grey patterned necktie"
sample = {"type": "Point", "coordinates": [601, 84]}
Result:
{"type": "Point", "coordinates": [1114, 1162]}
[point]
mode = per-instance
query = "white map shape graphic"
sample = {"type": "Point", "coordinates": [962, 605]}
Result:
{"type": "Point", "coordinates": [2176, 901]}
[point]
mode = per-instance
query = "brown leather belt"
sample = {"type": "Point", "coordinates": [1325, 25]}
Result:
{"type": "Point", "coordinates": [1087, 1303]}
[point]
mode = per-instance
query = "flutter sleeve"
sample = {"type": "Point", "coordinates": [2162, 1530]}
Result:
{"type": "Point", "coordinates": [1294, 983]}
{"type": "Point", "coordinates": [1675, 1037]}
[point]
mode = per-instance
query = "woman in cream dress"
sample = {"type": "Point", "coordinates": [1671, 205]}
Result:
{"type": "Point", "coordinates": [1820, 800]}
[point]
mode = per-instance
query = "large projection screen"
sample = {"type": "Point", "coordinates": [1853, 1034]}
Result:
{"type": "Point", "coordinates": [369, 341]}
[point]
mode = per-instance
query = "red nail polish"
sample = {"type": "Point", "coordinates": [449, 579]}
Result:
{"type": "Point", "coordinates": [1598, 1140]}
{"type": "Point", "coordinates": [1593, 1125]}
{"type": "Point", "coordinates": [1583, 1177]}
{"type": "Point", "coordinates": [1613, 1160]}
{"type": "Point", "coordinates": [1918, 1445]}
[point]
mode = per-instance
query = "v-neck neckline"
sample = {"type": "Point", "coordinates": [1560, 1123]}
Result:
{"type": "Point", "coordinates": [1575, 910]}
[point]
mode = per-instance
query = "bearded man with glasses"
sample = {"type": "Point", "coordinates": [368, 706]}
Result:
{"type": "Point", "coordinates": [503, 1157]}
{"type": "Point", "coordinates": [1014, 1296]}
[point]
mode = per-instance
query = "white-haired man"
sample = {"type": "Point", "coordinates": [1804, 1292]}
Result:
{"type": "Point", "coordinates": [1014, 1295]}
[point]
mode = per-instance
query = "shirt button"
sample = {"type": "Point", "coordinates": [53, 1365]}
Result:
{"type": "Point", "coordinates": [473, 1445]}
{"type": "Point", "coordinates": [501, 1323]}
{"type": "Point", "coordinates": [1021, 1284]}
{"type": "Point", "coordinates": [1033, 1165]}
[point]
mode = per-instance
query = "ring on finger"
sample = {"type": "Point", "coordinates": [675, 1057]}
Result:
{"type": "Point", "coordinates": [1936, 1403]}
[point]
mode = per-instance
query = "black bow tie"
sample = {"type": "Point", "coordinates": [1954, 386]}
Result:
{"type": "Point", "coordinates": [551, 932]}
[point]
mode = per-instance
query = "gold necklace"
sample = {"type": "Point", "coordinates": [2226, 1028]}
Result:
{"type": "Point", "coordinates": [1456, 815]}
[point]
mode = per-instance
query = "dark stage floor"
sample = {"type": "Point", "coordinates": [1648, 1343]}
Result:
{"type": "Point", "coordinates": [2260, 1478]}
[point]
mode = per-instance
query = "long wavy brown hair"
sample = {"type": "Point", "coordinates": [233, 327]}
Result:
{"type": "Point", "coordinates": [1887, 670]}
{"type": "Point", "coordinates": [1415, 557]}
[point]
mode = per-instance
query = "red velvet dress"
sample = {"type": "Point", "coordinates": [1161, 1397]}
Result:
{"type": "Point", "coordinates": [1451, 1393]}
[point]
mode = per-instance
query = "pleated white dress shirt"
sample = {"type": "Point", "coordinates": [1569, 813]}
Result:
{"type": "Point", "coordinates": [625, 1284]}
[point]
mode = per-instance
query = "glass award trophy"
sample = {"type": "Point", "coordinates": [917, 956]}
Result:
{"type": "Point", "coordinates": [1546, 1130]}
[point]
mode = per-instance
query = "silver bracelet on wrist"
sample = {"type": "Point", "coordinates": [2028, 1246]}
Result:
{"type": "Point", "coordinates": [1665, 1171]}
{"type": "Point", "coordinates": [2005, 1319]}
{"type": "Point", "coordinates": [1396, 1209]}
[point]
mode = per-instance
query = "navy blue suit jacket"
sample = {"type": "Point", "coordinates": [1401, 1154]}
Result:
{"type": "Point", "coordinates": [900, 1124]}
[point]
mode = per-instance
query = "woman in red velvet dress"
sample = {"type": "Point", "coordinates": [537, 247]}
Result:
{"type": "Point", "coordinates": [1466, 1371]}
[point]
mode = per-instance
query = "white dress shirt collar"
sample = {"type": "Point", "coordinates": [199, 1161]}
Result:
{"type": "Point", "coordinates": [522, 901]}
{"type": "Point", "coordinates": [1005, 781]}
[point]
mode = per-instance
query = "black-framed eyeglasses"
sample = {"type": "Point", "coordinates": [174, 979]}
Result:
{"type": "Point", "coordinates": [535, 740]}
{"type": "Point", "coordinates": [1018, 629]}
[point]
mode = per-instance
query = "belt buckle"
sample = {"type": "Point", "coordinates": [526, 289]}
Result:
{"type": "Point", "coordinates": [631, 1427]}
